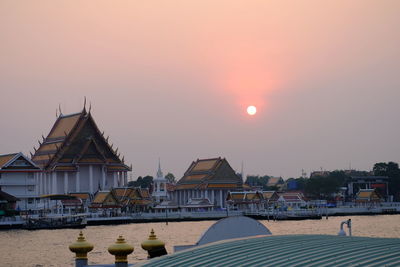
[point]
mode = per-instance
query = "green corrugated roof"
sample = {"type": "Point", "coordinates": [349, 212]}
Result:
{"type": "Point", "coordinates": [290, 250]}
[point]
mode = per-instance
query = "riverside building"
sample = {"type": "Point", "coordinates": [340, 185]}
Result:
{"type": "Point", "coordinates": [210, 179]}
{"type": "Point", "coordinates": [76, 157]}
{"type": "Point", "coordinates": [19, 177]}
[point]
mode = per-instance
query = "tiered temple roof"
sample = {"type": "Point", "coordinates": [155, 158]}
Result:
{"type": "Point", "coordinates": [73, 139]}
{"type": "Point", "coordinates": [214, 173]}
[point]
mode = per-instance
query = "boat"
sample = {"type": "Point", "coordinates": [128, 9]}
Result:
{"type": "Point", "coordinates": [55, 222]}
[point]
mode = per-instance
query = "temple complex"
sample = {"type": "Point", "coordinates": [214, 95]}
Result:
{"type": "Point", "coordinates": [76, 157]}
{"type": "Point", "coordinates": [210, 179]}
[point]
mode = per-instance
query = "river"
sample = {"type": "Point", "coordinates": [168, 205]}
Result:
{"type": "Point", "coordinates": [50, 247]}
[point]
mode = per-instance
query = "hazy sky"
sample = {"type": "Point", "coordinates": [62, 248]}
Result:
{"type": "Point", "coordinates": [172, 79]}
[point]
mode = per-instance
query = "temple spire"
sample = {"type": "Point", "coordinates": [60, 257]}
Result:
{"type": "Point", "coordinates": [159, 172]}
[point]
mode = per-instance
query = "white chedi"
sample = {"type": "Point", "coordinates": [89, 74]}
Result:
{"type": "Point", "coordinates": [160, 192]}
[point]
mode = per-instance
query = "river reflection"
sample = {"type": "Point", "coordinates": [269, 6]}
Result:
{"type": "Point", "coordinates": [50, 247]}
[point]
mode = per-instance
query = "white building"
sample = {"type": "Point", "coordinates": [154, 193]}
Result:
{"type": "Point", "coordinates": [76, 157]}
{"type": "Point", "coordinates": [160, 191]}
{"type": "Point", "coordinates": [19, 177]}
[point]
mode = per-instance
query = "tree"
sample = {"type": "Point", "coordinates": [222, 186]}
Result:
{"type": "Point", "coordinates": [324, 186]}
{"type": "Point", "coordinates": [142, 182]}
{"type": "Point", "coordinates": [170, 178]}
{"type": "Point", "coordinates": [391, 170]}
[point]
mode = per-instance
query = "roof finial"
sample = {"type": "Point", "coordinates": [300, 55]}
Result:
{"type": "Point", "coordinates": [84, 103]}
{"type": "Point", "coordinates": [90, 107]}
{"type": "Point", "coordinates": [56, 113]}
{"type": "Point", "coordinates": [59, 108]}
{"type": "Point", "coordinates": [241, 171]}
{"type": "Point", "coordinates": [159, 172]}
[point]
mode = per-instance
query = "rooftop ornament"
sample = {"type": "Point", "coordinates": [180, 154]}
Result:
{"type": "Point", "coordinates": [81, 248]}
{"type": "Point", "coordinates": [120, 250]}
{"type": "Point", "coordinates": [153, 246]}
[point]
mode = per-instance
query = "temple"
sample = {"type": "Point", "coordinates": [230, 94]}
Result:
{"type": "Point", "coordinates": [76, 157]}
{"type": "Point", "coordinates": [210, 179]}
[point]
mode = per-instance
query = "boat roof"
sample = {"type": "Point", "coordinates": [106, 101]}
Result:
{"type": "Point", "coordinates": [289, 250]}
{"type": "Point", "coordinates": [58, 196]}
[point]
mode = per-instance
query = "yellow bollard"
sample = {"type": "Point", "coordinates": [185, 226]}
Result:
{"type": "Point", "coordinates": [81, 248]}
{"type": "Point", "coordinates": [153, 246]}
{"type": "Point", "coordinates": [120, 250]}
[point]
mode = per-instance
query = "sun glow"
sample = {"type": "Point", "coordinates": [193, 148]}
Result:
{"type": "Point", "coordinates": [251, 110]}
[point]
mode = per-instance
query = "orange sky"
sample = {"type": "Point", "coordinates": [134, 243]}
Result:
{"type": "Point", "coordinates": [172, 79]}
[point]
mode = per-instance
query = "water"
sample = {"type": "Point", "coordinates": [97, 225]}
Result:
{"type": "Point", "coordinates": [50, 247]}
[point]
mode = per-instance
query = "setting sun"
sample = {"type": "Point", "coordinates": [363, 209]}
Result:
{"type": "Point", "coordinates": [251, 110]}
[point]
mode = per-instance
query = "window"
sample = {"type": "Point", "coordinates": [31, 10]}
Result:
{"type": "Point", "coordinates": [31, 188]}
{"type": "Point", "coordinates": [30, 175]}
{"type": "Point", "coordinates": [30, 200]}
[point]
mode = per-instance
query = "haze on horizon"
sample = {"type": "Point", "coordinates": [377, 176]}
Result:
{"type": "Point", "coordinates": [172, 80]}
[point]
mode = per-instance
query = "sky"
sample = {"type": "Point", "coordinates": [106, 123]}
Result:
{"type": "Point", "coordinates": [172, 80]}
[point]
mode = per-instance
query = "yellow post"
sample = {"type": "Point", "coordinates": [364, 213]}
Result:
{"type": "Point", "coordinates": [153, 246]}
{"type": "Point", "coordinates": [81, 248]}
{"type": "Point", "coordinates": [120, 250]}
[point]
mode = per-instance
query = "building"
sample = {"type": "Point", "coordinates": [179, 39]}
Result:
{"type": "Point", "coordinates": [198, 205]}
{"type": "Point", "coordinates": [292, 200]}
{"type": "Point", "coordinates": [19, 177]}
{"type": "Point", "coordinates": [245, 201]}
{"type": "Point", "coordinates": [105, 200]}
{"type": "Point", "coordinates": [368, 196]}
{"type": "Point", "coordinates": [270, 198]}
{"type": "Point", "coordinates": [160, 191]}
{"type": "Point", "coordinates": [76, 157]}
{"type": "Point", "coordinates": [380, 183]}
{"type": "Point", "coordinates": [207, 178]}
